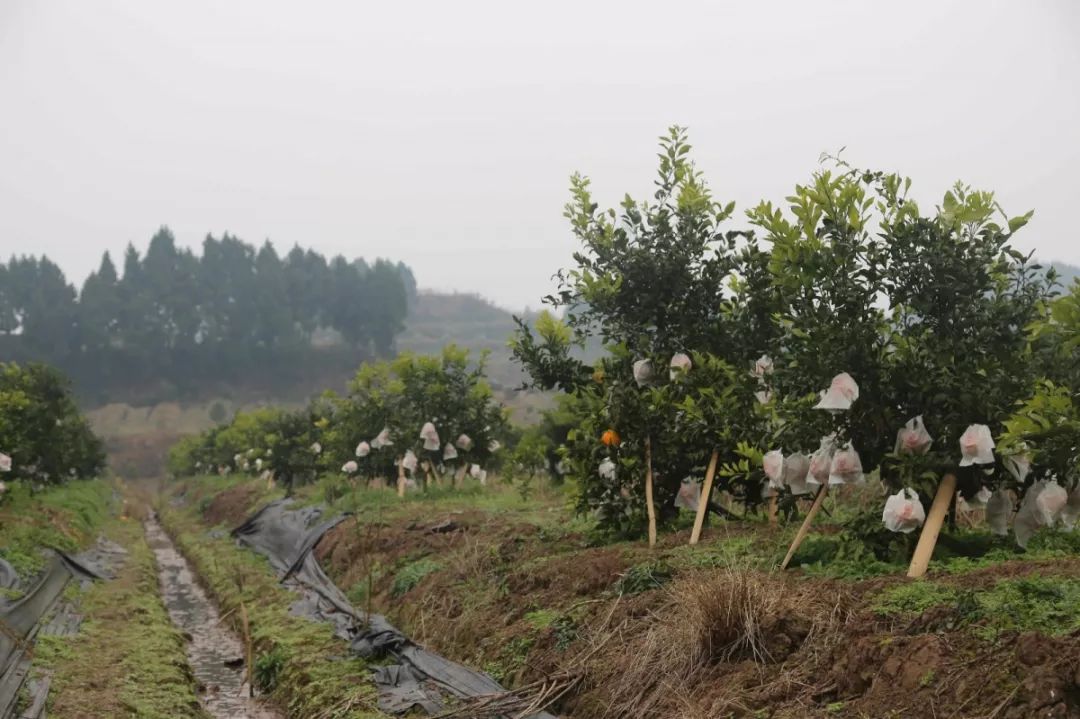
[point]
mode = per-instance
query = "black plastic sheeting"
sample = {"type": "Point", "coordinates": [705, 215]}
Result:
{"type": "Point", "coordinates": [415, 678]}
{"type": "Point", "coordinates": [40, 610]}
{"type": "Point", "coordinates": [8, 577]}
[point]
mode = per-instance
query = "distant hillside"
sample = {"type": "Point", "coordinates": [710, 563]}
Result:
{"type": "Point", "coordinates": [436, 319]}
{"type": "Point", "coordinates": [1069, 273]}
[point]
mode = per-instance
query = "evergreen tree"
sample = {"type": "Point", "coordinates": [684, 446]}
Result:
{"type": "Point", "coordinates": [99, 308]}
{"type": "Point", "coordinates": [174, 321]}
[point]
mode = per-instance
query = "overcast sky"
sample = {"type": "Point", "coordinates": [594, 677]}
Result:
{"type": "Point", "coordinates": [443, 133]}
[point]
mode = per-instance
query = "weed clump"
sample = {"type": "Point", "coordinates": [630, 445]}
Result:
{"type": "Point", "coordinates": [643, 577]}
{"type": "Point", "coordinates": [268, 666]}
{"type": "Point", "coordinates": [412, 574]}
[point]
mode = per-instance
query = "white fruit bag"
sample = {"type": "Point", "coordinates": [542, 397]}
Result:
{"type": "Point", "coordinates": [903, 512]}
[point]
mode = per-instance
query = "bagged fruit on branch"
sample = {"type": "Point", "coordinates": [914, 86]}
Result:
{"type": "Point", "coordinates": [773, 463]}
{"type": "Point", "coordinates": [382, 439]}
{"type": "Point", "coordinates": [842, 392]}
{"type": "Point", "coordinates": [846, 467]}
{"type": "Point", "coordinates": [1070, 515]}
{"type": "Point", "coordinates": [913, 438]}
{"type": "Point", "coordinates": [796, 468]}
{"type": "Point", "coordinates": [430, 436]}
{"type": "Point", "coordinates": [680, 365]}
{"type": "Point", "coordinates": [820, 462]}
{"type": "Point", "coordinates": [1041, 507]}
{"type": "Point", "coordinates": [643, 372]}
{"type": "Point", "coordinates": [903, 512]}
{"type": "Point", "coordinates": [763, 367]}
{"type": "Point", "coordinates": [976, 446]}
{"type": "Point", "coordinates": [606, 470]}
{"type": "Point", "coordinates": [689, 495]}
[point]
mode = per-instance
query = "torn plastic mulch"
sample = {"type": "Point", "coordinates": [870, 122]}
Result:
{"type": "Point", "coordinates": [417, 678]}
{"type": "Point", "coordinates": [41, 611]}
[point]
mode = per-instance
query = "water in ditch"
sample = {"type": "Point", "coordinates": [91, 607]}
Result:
{"type": "Point", "coordinates": [214, 653]}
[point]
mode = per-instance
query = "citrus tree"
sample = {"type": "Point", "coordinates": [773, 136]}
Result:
{"type": "Point", "coordinates": [659, 283]}
{"type": "Point", "coordinates": [42, 432]}
{"type": "Point", "coordinates": [399, 399]}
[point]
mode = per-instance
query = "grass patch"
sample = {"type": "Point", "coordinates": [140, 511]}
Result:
{"type": "Point", "coordinates": [1050, 605]}
{"type": "Point", "coordinates": [913, 598]}
{"type": "Point", "coordinates": [1046, 604]}
{"type": "Point", "coordinates": [542, 618]}
{"type": "Point", "coordinates": [128, 659]}
{"type": "Point", "coordinates": [67, 517]}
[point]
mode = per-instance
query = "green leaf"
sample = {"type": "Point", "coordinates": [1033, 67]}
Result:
{"type": "Point", "coordinates": [1015, 223]}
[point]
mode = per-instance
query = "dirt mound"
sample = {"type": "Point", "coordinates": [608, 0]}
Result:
{"type": "Point", "coordinates": [580, 574]}
{"type": "Point", "coordinates": [231, 506]}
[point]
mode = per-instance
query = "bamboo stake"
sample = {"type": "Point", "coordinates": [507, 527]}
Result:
{"type": "Point", "coordinates": [649, 492]}
{"type": "Point", "coordinates": [934, 518]}
{"type": "Point", "coordinates": [247, 647]}
{"type": "Point", "coordinates": [703, 501]}
{"type": "Point", "coordinates": [805, 528]}
{"type": "Point", "coordinates": [773, 505]}
{"type": "Point", "coordinates": [401, 477]}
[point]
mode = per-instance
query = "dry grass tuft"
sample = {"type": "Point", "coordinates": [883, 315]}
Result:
{"type": "Point", "coordinates": [733, 615]}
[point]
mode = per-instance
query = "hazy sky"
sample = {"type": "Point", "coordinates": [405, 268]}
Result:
{"type": "Point", "coordinates": [443, 133]}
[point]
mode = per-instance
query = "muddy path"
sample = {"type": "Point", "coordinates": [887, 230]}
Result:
{"type": "Point", "coordinates": [214, 653]}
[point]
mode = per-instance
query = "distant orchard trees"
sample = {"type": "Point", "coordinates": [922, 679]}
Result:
{"type": "Point", "coordinates": [175, 319]}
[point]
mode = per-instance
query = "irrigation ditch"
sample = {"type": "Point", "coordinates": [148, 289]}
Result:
{"type": "Point", "coordinates": [217, 657]}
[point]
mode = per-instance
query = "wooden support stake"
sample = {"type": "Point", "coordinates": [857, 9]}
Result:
{"type": "Point", "coordinates": [936, 516]}
{"type": "Point", "coordinates": [805, 528]}
{"type": "Point", "coordinates": [401, 477]}
{"type": "Point", "coordinates": [703, 501]}
{"type": "Point", "coordinates": [248, 662]}
{"type": "Point", "coordinates": [773, 505]}
{"type": "Point", "coordinates": [649, 492]}
{"type": "Point", "coordinates": [431, 477]}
